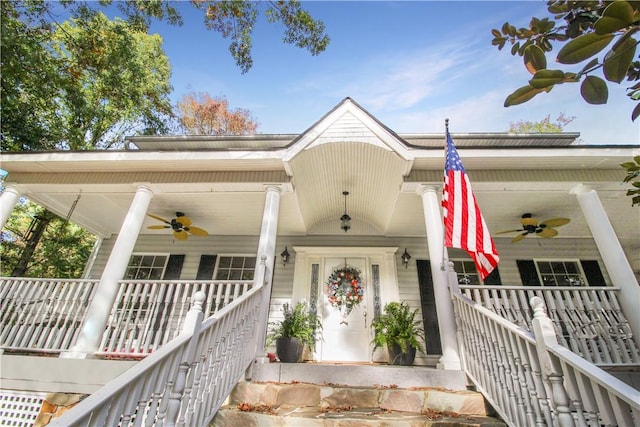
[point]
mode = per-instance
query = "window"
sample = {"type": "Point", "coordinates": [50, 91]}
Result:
{"type": "Point", "coordinates": [146, 267]}
{"type": "Point", "coordinates": [466, 272]}
{"type": "Point", "coordinates": [560, 273]}
{"type": "Point", "coordinates": [235, 267]}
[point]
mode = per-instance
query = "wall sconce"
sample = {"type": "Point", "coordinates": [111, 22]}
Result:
{"type": "Point", "coordinates": [285, 256]}
{"type": "Point", "coordinates": [345, 220]}
{"type": "Point", "coordinates": [405, 258]}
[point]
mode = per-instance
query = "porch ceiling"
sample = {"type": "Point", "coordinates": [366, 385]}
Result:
{"type": "Point", "coordinates": [382, 187]}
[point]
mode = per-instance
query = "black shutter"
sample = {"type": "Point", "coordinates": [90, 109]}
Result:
{"type": "Point", "coordinates": [428, 305]}
{"type": "Point", "coordinates": [174, 267]}
{"type": "Point", "coordinates": [593, 273]}
{"type": "Point", "coordinates": [493, 278]}
{"type": "Point", "coordinates": [528, 273]}
{"type": "Point", "coordinates": [206, 266]}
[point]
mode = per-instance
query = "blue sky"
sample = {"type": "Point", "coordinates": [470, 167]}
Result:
{"type": "Point", "coordinates": [409, 63]}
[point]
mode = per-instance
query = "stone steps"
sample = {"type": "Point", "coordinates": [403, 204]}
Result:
{"type": "Point", "coordinates": [327, 395]}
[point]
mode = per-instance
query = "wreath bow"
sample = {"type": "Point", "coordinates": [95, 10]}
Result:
{"type": "Point", "coordinates": [345, 289]}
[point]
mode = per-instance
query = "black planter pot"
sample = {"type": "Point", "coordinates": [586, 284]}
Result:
{"type": "Point", "coordinates": [397, 357]}
{"type": "Point", "coordinates": [289, 350]}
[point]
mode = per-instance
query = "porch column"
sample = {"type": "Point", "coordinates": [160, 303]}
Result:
{"type": "Point", "coordinates": [8, 200]}
{"type": "Point", "coordinates": [104, 298]}
{"type": "Point", "coordinates": [266, 259]}
{"type": "Point", "coordinates": [435, 239]}
{"type": "Point", "coordinates": [612, 255]}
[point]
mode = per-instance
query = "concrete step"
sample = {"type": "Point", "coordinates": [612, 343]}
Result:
{"type": "Point", "coordinates": [328, 395]}
{"type": "Point", "coordinates": [359, 375]}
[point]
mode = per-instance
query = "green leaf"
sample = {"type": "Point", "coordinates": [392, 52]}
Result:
{"type": "Point", "coordinates": [589, 66]}
{"type": "Point", "coordinates": [546, 78]}
{"type": "Point", "coordinates": [594, 90]}
{"type": "Point", "coordinates": [521, 95]}
{"type": "Point", "coordinates": [616, 62]}
{"type": "Point", "coordinates": [635, 113]}
{"type": "Point", "coordinates": [515, 47]}
{"type": "Point", "coordinates": [583, 47]}
{"type": "Point", "coordinates": [618, 15]}
{"type": "Point", "coordinates": [534, 59]}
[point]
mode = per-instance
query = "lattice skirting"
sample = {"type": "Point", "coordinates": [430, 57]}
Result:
{"type": "Point", "coordinates": [18, 408]}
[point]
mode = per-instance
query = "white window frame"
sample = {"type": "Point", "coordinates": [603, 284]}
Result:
{"type": "Point", "coordinates": [242, 269]}
{"type": "Point", "coordinates": [143, 254]}
{"type": "Point", "coordinates": [577, 281]}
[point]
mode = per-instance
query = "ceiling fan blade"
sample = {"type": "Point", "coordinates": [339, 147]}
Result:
{"type": "Point", "coordinates": [548, 232]}
{"type": "Point", "coordinates": [181, 235]}
{"type": "Point", "coordinates": [518, 237]}
{"type": "Point", "coordinates": [509, 231]}
{"type": "Point", "coordinates": [159, 218]}
{"type": "Point", "coordinates": [556, 222]}
{"type": "Point", "coordinates": [197, 231]}
{"type": "Point", "coordinates": [183, 220]}
{"type": "Point", "coordinates": [529, 221]}
{"type": "Point", "coordinates": [158, 227]}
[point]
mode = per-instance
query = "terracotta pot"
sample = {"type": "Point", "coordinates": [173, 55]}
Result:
{"type": "Point", "coordinates": [397, 357]}
{"type": "Point", "coordinates": [289, 350]}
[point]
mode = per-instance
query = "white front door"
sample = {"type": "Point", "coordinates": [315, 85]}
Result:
{"type": "Point", "coordinates": [345, 338]}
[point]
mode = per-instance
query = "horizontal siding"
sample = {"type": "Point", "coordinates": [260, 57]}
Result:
{"type": "Point", "coordinates": [282, 289]}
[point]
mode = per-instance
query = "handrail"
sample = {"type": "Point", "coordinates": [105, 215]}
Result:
{"type": "Point", "coordinates": [588, 320]}
{"type": "Point", "coordinates": [186, 381]}
{"type": "Point", "coordinates": [531, 380]}
{"type": "Point", "coordinates": [45, 315]}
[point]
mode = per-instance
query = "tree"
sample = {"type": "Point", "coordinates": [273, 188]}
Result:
{"type": "Point", "coordinates": [633, 175]}
{"type": "Point", "coordinates": [543, 126]}
{"type": "Point", "coordinates": [233, 19]}
{"type": "Point", "coordinates": [588, 27]}
{"type": "Point", "coordinates": [200, 114]}
{"type": "Point", "coordinates": [60, 250]}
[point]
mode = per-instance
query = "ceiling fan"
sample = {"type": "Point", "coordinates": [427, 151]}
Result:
{"type": "Point", "coordinates": [181, 226]}
{"type": "Point", "coordinates": [530, 225]}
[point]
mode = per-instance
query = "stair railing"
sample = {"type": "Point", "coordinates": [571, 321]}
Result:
{"type": "Point", "coordinates": [532, 380]}
{"type": "Point", "coordinates": [185, 381]}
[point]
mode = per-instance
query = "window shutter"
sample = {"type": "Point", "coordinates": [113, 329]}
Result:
{"type": "Point", "coordinates": [493, 278]}
{"type": "Point", "coordinates": [593, 273]}
{"type": "Point", "coordinates": [528, 273]}
{"type": "Point", "coordinates": [428, 305]}
{"type": "Point", "coordinates": [206, 266]}
{"type": "Point", "coordinates": [174, 267]}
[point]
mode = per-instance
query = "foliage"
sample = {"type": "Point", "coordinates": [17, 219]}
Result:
{"type": "Point", "coordinates": [344, 288]}
{"type": "Point", "coordinates": [88, 82]}
{"type": "Point", "coordinates": [233, 19]}
{"type": "Point", "coordinates": [298, 322]}
{"type": "Point", "coordinates": [200, 114]}
{"type": "Point", "coordinates": [543, 126]}
{"type": "Point", "coordinates": [587, 28]}
{"type": "Point", "coordinates": [62, 252]}
{"type": "Point", "coordinates": [633, 175]}
{"type": "Point", "coordinates": [397, 325]}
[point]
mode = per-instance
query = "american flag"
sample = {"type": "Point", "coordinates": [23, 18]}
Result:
{"type": "Point", "coordinates": [463, 222]}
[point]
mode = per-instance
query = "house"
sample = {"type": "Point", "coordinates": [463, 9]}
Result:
{"type": "Point", "coordinates": [175, 214]}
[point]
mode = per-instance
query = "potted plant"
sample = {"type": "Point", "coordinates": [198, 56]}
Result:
{"type": "Point", "coordinates": [398, 331]}
{"type": "Point", "coordinates": [298, 328]}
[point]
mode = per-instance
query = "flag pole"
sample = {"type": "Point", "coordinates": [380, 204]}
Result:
{"type": "Point", "coordinates": [444, 229]}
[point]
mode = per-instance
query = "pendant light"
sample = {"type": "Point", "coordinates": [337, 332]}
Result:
{"type": "Point", "coordinates": [345, 219]}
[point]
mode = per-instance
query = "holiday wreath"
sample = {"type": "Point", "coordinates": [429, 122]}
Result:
{"type": "Point", "coordinates": [344, 288]}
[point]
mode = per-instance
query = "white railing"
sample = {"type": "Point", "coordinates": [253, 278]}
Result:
{"type": "Point", "coordinates": [532, 380]}
{"type": "Point", "coordinates": [186, 381]}
{"type": "Point", "coordinates": [42, 314]}
{"type": "Point", "coordinates": [587, 320]}
{"type": "Point", "coordinates": [45, 315]}
{"type": "Point", "coordinates": [149, 314]}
